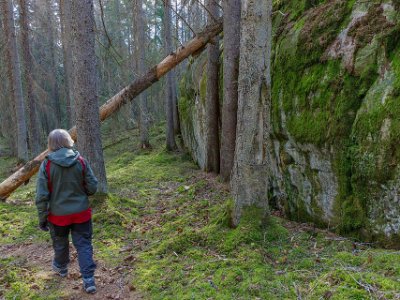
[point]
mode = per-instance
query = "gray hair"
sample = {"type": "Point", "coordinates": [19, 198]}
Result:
{"type": "Point", "coordinates": [59, 138]}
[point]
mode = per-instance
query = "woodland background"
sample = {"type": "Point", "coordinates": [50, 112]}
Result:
{"type": "Point", "coordinates": [291, 113]}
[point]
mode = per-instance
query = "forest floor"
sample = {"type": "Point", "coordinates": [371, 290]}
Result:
{"type": "Point", "coordinates": [163, 233]}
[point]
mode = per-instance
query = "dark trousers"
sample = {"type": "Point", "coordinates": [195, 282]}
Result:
{"type": "Point", "coordinates": [82, 240]}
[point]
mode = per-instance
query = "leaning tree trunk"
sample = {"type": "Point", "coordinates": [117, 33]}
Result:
{"type": "Point", "coordinates": [212, 96]}
{"type": "Point", "coordinates": [85, 88]}
{"type": "Point", "coordinates": [250, 178]}
{"type": "Point", "coordinates": [15, 72]}
{"type": "Point", "coordinates": [140, 55]}
{"type": "Point", "coordinates": [124, 96]}
{"type": "Point", "coordinates": [169, 86]}
{"type": "Point", "coordinates": [231, 72]}
{"type": "Point", "coordinates": [34, 137]}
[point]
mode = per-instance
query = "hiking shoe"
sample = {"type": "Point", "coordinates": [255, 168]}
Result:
{"type": "Point", "coordinates": [63, 272]}
{"type": "Point", "coordinates": [88, 285]}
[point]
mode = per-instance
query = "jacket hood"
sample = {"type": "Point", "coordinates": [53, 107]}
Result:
{"type": "Point", "coordinates": [64, 157]}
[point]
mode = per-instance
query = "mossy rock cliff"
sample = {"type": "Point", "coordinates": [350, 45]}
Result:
{"type": "Point", "coordinates": [335, 114]}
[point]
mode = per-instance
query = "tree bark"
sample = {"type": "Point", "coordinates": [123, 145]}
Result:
{"type": "Point", "coordinates": [169, 86]}
{"type": "Point", "coordinates": [54, 94]}
{"type": "Point", "coordinates": [65, 19]}
{"type": "Point", "coordinates": [212, 96]}
{"type": "Point", "coordinates": [8, 113]}
{"type": "Point", "coordinates": [250, 177]}
{"type": "Point", "coordinates": [177, 124]}
{"type": "Point", "coordinates": [34, 137]}
{"type": "Point", "coordinates": [116, 28]}
{"type": "Point", "coordinates": [175, 75]}
{"type": "Point", "coordinates": [140, 42]}
{"type": "Point", "coordinates": [124, 96]}
{"type": "Point", "coordinates": [12, 128]}
{"type": "Point", "coordinates": [231, 72]}
{"type": "Point", "coordinates": [85, 88]}
{"type": "Point", "coordinates": [15, 79]}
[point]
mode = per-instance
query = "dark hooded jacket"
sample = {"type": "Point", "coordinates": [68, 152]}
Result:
{"type": "Point", "coordinates": [70, 185]}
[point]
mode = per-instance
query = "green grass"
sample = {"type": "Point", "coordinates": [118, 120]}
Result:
{"type": "Point", "coordinates": [20, 283]}
{"type": "Point", "coordinates": [6, 164]}
{"type": "Point", "coordinates": [174, 221]}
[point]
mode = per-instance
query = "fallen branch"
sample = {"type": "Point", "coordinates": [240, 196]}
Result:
{"type": "Point", "coordinates": [124, 96]}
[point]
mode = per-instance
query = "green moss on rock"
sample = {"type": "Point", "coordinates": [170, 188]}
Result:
{"type": "Point", "coordinates": [373, 24]}
{"type": "Point", "coordinates": [322, 25]}
{"type": "Point", "coordinates": [317, 101]}
{"type": "Point", "coordinates": [348, 111]}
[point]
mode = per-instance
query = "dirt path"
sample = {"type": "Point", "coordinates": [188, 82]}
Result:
{"type": "Point", "coordinates": [112, 283]}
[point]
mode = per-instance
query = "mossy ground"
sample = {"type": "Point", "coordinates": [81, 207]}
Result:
{"type": "Point", "coordinates": [165, 228]}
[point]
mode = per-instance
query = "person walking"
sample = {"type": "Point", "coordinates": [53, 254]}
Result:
{"type": "Point", "coordinates": [65, 181]}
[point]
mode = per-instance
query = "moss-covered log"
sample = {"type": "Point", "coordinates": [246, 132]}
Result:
{"type": "Point", "coordinates": [124, 96]}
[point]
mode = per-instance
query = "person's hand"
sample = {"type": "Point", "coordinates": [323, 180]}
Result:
{"type": "Point", "coordinates": [43, 226]}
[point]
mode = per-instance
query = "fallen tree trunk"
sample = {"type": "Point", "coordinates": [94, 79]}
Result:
{"type": "Point", "coordinates": [127, 94]}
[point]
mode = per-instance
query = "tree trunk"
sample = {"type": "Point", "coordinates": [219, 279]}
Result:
{"type": "Point", "coordinates": [176, 74]}
{"type": "Point", "coordinates": [140, 43]}
{"type": "Point", "coordinates": [124, 96]}
{"type": "Point", "coordinates": [15, 79]}
{"type": "Point", "coordinates": [177, 125]}
{"type": "Point", "coordinates": [65, 19]}
{"type": "Point", "coordinates": [34, 138]}
{"type": "Point", "coordinates": [8, 113]}
{"type": "Point", "coordinates": [169, 85]}
{"type": "Point", "coordinates": [117, 25]}
{"type": "Point", "coordinates": [250, 177]}
{"type": "Point", "coordinates": [212, 96]}
{"type": "Point", "coordinates": [231, 73]}
{"type": "Point", "coordinates": [12, 125]}
{"type": "Point", "coordinates": [54, 94]}
{"type": "Point", "coordinates": [85, 88]}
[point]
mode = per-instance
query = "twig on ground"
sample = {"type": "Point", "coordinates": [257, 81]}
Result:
{"type": "Point", "coordinates": [369, 288]}
{"type": "Point", "coordinates": [298, 294]}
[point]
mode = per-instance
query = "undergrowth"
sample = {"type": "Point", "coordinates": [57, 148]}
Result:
{"type": "Point", "coordinates": [168, 224]}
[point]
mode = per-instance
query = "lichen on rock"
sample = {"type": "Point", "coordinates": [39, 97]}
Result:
{"type": "Point", "coordinates": [335, 115]}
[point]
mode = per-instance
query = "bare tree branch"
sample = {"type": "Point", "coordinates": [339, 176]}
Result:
{"type": "Point", "coordinates": [110, 44]}
{"type": "Point", "coordinates": [182, 18]}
